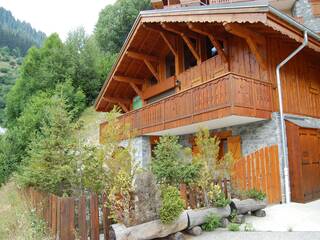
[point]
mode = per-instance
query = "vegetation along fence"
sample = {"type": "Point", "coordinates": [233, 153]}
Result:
{"type": "Point", "coordinates": [71, 218]}
{"type": "Point", "coordinates": [87, 217]}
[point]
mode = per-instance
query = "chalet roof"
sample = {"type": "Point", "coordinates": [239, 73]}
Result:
{"type": "Point", "coordinates": [256, 15]}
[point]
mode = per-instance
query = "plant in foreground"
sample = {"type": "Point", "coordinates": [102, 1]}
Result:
{"type": "Point", "coordinates": [216, 196]}
{"type": "Point", "coordinates": [234, 227]}
{"type": "Point", "coordinates": [212, 222]}
{"type": "Point", "coordinates": [248, 227]}
{"type": "Point", "coordinates": [256, 194]}
{"type": "Point", "coordinates": [172, 205]}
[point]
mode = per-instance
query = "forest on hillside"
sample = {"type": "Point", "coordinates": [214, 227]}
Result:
{"type": "Point", "coordinates": [58, 81]}
{"type": "Point", "coordinates": [16, 34]}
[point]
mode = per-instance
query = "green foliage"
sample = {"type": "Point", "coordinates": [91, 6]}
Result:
{"type": "Point", "coordinates": [172, 205]}
{"type": "Point", "coordinates": [168, 163]}
{"type": "Point", "coordinates": [115, 22]}
{"type": "Point", "coordinates": [212, 222]}
{"type": "Point", "coordinates": [255, 194]}
{"type": "Point", "coordinates": [234, 227]}
{"type": "Point", "coordinates": [248, 227]}
{"type": "Point", "coordinates": [216, 197]}
{"type": "Point", "coordinates": [52, 152]}
{"type": "Point", "coordinates": [4, 70]}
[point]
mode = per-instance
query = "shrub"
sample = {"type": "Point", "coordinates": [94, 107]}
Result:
{"type": "Point", "coordinates": [216, 196]}
{"type": "Point", "coordinates": [255, 194]}
{"type": "Point", "coordinates": [248, 227]}
{"type": "Point", "coordinates": [172, 205]}
{"type": "Point", "coordinates": [212, 222]}
{"type": "Point", "coordinates": [168, 164]}
{"type": "Point", "coordinates": [234, 227]}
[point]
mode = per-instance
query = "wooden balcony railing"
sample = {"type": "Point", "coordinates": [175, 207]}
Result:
{"type": "Point", "coordinates": [227, 95]}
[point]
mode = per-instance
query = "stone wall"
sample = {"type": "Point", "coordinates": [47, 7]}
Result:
{"type": "Point", "coordinates": [303, 8]}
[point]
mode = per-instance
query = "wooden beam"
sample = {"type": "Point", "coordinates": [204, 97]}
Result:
{"type": "Point", "coordinates": [142, 56]}
{"type": "Point", "coordinates": [128, 79]}
{"type": "Point", "coordinates": [124, 107]}
{"type": "Point", "coordinates": [214, 42]}
{"type": "Point", "coordinates": [180, 30]}
{"type": "Point", "coordinates": [252, 38]}
{"type": "Point", "coordinates": [117, 100]}
{"type": "Point", "coordinates": [185, 39]}
{"type": "Point", "coordinates": [164, 34]}
{"type": "Point", "coordinates": [169, 44]}
{"type": "Point", "coordinates": [152, 69]}
{"type": "Point", "coordinates": [137, 90]}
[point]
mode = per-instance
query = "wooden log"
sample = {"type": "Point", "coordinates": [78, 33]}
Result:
{"type": "Point", "coordinates": [150, 230]}
{"type": "Point", "coordinates": [198, 216]}
{"type": "Point", "coordinates": [247, 205]}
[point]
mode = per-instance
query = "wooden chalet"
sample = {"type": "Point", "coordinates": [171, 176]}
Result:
{"type": "Point", "coordinates": [202, 64]}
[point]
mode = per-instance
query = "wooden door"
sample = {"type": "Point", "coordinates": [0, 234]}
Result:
{"type": "Point", "coordinates": [310, 164]}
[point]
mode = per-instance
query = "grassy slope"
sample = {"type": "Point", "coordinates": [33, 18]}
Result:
{"type": "Point", "coordinates": [16, 221]}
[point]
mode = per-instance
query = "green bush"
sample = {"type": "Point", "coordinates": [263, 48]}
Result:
{"type": "Point", "coordinates": [234, 227]}
{"type": "Point", "coordinates": [255, 194]}
{"type": "Point", "coordinates": [168, 164]}
{"type": "Point", "coordinates": [172, 205]}
{"type": "Point", "coordinates": [216, 197]}
{"type": "Point", "coordinates": [212, 222]}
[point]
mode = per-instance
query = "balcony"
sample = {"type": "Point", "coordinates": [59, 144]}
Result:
{"type": "Point", "coordinates": [229, 99]}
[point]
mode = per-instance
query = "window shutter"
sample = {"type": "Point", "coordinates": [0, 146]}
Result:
{"type": "Point", "coordinates": [234, 146]}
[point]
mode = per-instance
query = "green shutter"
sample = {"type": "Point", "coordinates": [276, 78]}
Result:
{"type": "Point", "coordinates": [137, 103]}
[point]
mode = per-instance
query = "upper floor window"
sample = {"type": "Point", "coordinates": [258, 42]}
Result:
{"type": "Point", "coordinates": [211, 51]}
{"type": "Point", "coordinates": [170, 65]}
{"type": "Point", "coordinates": [188, 59]}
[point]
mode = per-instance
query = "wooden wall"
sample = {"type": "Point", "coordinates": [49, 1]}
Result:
{"type": "Point", "coordinates": [300, 78]}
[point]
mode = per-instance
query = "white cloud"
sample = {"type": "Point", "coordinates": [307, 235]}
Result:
{"type": "Point", "coordinates": [59, 16]}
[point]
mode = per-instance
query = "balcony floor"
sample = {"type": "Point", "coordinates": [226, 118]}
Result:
{"type": "Point", "coordinates": [211, 124]}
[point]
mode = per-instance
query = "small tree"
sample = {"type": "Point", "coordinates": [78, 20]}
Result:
{"type": "Point", "coordinates": [51, 160]}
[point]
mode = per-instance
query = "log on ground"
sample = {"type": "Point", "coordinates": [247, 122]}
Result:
{"type": "Point", "coordinates": [198, 216]}
{"type": "Point", "coordinates": [150, 230]}
{"type": "Point", "coordinates": [247, 205]}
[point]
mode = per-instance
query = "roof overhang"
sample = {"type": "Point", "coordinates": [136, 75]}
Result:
{"type": "Point", "coordinates": [248, 12]}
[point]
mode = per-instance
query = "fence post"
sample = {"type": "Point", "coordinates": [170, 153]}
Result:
{"type": "Point", "coordinates": [82, 218]}
{"type": "Point", "coordinates": [106, 214]}
{"type": "Point", "coordinates": [94, 217]}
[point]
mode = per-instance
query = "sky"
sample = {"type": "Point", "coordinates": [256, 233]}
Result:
{"type": "Point", "coordinates": [60, 16]}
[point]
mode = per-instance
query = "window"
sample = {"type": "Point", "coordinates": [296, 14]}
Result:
{"type": "Point", "coordinates": [211, 51]}
{"type": "Point", "coordinates": [153, 81]}
{"type": "Point", "coordinates": [189, 59]}
{"type": "Point", "coordinates": [170, 65]}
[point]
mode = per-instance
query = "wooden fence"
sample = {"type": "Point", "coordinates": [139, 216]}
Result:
{"type": "Point", "coordinates": [259, 170]}
{"type": "Point", "coordinates": [71, 218]}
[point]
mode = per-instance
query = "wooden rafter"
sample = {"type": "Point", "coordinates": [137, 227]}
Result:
{"type": "Point", "coordinates": [152, 69]}
{"type": "Point", "coordinates": [180, 30]}
{"type": "Point", "coordinates": [117, 100]}
{"type": "Point", "coordinates": [124, 107]}
{"type": "Point", "coordinates": [213, 40]}
{"type": "Point", "coordinates": [137, 90]}
{"type": "Point", "coordinates": [165, 36]}
{"type": "Point", "coordinates": [142, 56]}
{"type": "Point", "coordinates": [253, 40]}
{"type": "Point", "coordinates": [185, 38]}
{"type": "Point", "coordinates": [169, 44]}
{"type": "Point", "coordinates": [128, 79]}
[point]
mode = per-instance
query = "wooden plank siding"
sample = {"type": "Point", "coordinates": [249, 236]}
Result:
{"type": "Point", "coordinates": [226, 95]}
{"type": "Point", "coordinates": [259, 170]}
{"type": "Point", "coordinates": [300, 78]}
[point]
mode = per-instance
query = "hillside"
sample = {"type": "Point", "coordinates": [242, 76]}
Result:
{"type": "Point", "coordinates": [9, 65]}
{"type": "Point", "coordinates": [16, 34]}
